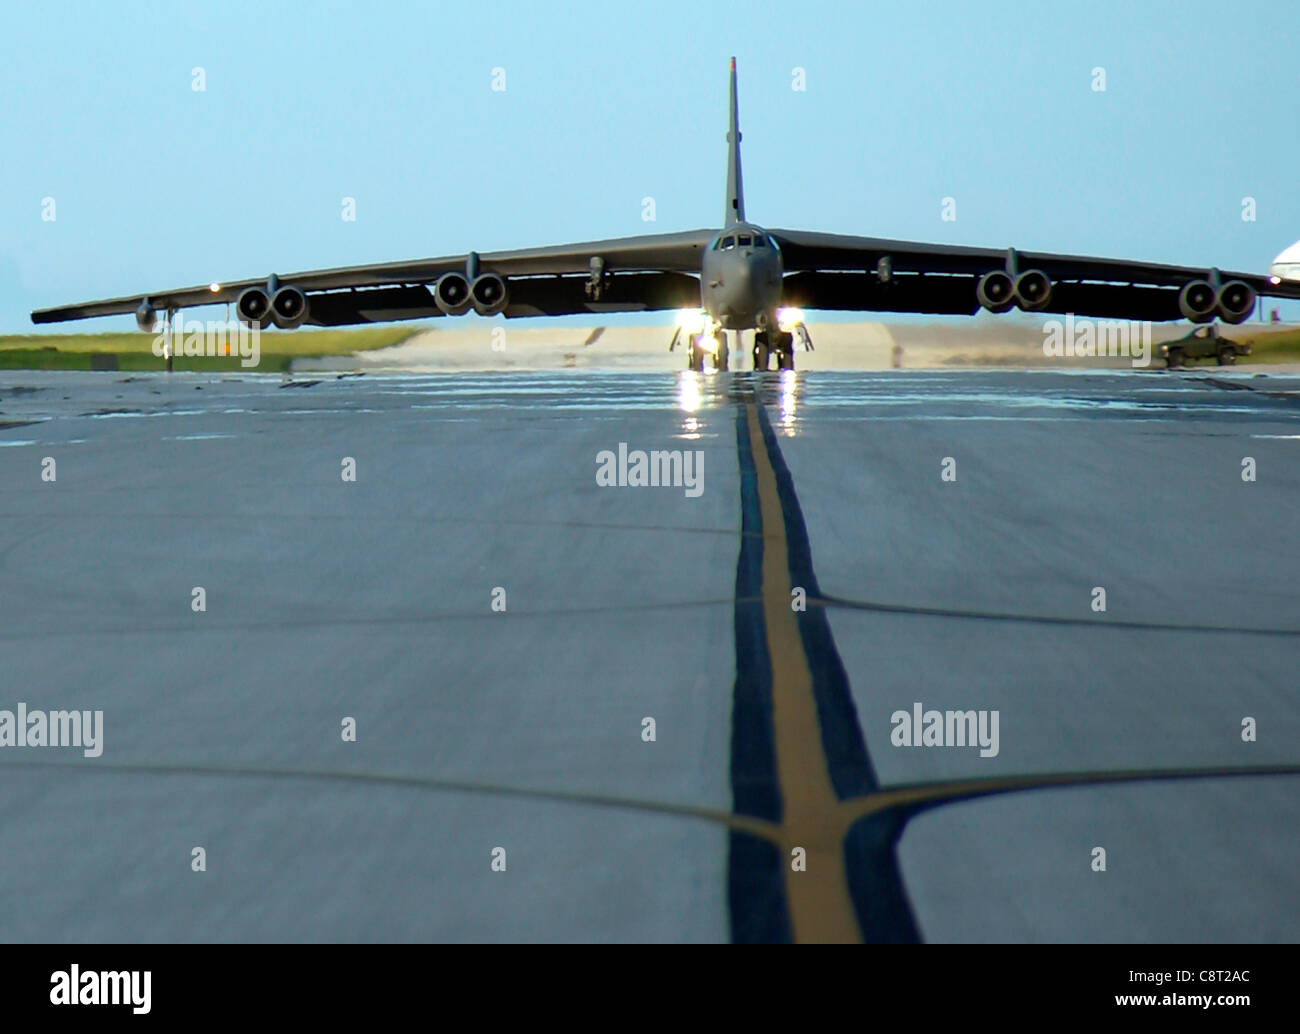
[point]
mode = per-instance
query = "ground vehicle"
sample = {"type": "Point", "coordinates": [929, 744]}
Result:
{"type": "Point", "coordinates": [1202, 343]}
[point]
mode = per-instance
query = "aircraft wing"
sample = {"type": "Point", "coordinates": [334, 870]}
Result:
{"type": "Point", "coordinates": [833, 271]}
{"type": "Point", "coordinates": [656, 271]}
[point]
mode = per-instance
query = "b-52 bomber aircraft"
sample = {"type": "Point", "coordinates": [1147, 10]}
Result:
{"type": "Point", "coordinates": [741, 277]}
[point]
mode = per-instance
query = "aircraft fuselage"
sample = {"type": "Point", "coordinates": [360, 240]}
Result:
{"type": "Point", "coordinates": [740, 282]}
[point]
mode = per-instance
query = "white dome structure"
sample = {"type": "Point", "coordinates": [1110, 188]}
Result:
{"type": "Point", "coordinates": [1287, 265]}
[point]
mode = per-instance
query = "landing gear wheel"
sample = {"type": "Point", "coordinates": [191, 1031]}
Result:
{"type": "Point", "coordinates": [1175, 359]}
{"type": "Point", "coordinates": [695, 358]}
{"type": "Point", "coordinates": [1227, 356]}
{"type": "Point", "coordinates": [785, 351]}
{"type": "Point", "coordinates": [762, 353]}
{"type": "Point", "coordinates": [723, 360]}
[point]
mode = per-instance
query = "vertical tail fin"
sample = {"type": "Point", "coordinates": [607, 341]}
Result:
{"type": "Point", "coordinates": [735, 190]}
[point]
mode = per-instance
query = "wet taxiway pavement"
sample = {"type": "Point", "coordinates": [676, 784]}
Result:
{"type": "Point", "coordinates": [500, 625]}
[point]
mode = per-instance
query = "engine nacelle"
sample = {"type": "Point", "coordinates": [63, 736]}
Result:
{"type": "Point", "coordinates": [253, 307]}
{"type": "Point", "coordinates": [488, 294]}
{"type": "Point", "coordinates": [1197, 301]}
{"type": "Point", "coordinates": [996, 291]}
{"type": "Point", "coordinates": [451, 294]}
{"type": "Point", "coordinates": [1236, 301]}
{"type": "Point", "coordinates": [288, 308]}
{"type": "Point", "coordinates": [1033, 290]}
{"type": "Point", "coordinates": [146, 318]}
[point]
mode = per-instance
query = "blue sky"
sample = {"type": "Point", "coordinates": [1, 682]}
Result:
{"type": "Point", "coordinates": [157, 185]}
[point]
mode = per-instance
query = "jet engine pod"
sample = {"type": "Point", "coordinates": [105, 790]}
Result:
{"type": "Point", "coordinates": [1236, 301]}
{"type": "Point", "coordinates": [253, 307]}
{"type": "Point", "coordinates": [1196, 301]}
{"type": "Point", "coordinates": [289, 308]}
{"type": "Point", "coordinates": [488, 293]}
{"type": "Point", "coordinates": [996, 291]}
{"type": "Point", "coordinates": [1033, 290]}
{"type": "Point", "coordinates": [146, 317]}
{"type": "Point", "coordinates": [451, 293]}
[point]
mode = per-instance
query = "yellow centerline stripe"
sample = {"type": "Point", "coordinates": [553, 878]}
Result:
{"type": "Point", "coordinates": [821, 908]}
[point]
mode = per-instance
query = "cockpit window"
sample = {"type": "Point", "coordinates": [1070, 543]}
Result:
{"type": "Point", "coordinates": [744, 240]}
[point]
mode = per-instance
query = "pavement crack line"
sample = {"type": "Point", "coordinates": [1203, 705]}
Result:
{"type": "Point", "coordinates": [751, 826]}
{"type": "Point", "coordinates": [1041, 619]}
{"type": "Point", "coordinates": [358, 620]}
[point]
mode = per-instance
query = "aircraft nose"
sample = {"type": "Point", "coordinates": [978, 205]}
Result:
{"type": "Point", "coordinates": [735, 292]}
{"type": "Point", "coordinates": [740, 277]}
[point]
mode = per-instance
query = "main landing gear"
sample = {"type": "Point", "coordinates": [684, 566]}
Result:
{"type": "Point", "coordinates": [707, 344]}
{"type": "Point", "coordinates": [778, 345]}
{"type": "Point", "coordinates": [770, 345]}
{"type": "Point", "coordinates": [706, 349]}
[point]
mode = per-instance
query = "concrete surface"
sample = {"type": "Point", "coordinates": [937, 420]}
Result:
{"type": "Point", "coordinates": [328, 599]}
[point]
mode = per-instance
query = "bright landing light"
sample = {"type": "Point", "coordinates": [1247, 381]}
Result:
{"type": "Point", "coordinates": [788, 319]}
{"type": "Point", "coordinates": [692, 321]}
